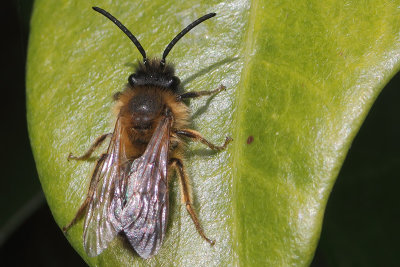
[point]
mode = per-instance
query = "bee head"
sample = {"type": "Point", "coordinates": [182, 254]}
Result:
{"type": "Point", "coordinates": [154, 73]}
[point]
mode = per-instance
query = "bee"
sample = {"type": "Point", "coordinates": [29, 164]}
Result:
{"type": "Point", "coordinates": [128, 191]}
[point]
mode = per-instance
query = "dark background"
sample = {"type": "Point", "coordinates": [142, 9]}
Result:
{"type": "Point", "coordinates": [360, 226]}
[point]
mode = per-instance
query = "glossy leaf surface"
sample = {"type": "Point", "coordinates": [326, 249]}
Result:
{"type": "Point", "coordinates": [301, 78]}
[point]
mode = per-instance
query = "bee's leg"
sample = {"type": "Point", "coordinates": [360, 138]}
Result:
{"type": "Point", "coordinates": [197, 137]}
{"type": "Point", "coordinates": [91, 149]}
{"type": "Point", "coordinates": [187, 196]}
{"type": "Point", "coordinates": [201, 93]}
{"type": "Point", "coordinates": [92, 188]}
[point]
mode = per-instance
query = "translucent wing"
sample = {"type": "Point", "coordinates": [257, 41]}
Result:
{"type": "Point", "coordinates": [101, 226]}
{"type": "Point", "coordinates": [144, 216]}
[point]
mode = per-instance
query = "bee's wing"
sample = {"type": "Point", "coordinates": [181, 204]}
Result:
{"type": "Point", "coordinates": [101, 226]}
{"type": "Point", "coordinates": [144, 217]}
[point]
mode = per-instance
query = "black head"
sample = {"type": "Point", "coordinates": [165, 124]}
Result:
{"type": "Point", "coordinates": [155, 72]}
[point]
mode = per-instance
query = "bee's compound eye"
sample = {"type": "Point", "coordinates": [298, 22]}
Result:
{"type": "Point", "coordinates": [133, 79]}
{"type": "Point", "coordinates": [174, 82]}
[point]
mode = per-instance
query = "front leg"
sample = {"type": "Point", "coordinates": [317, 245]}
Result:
{"type": "Point", "coordinates": [201, 93]}
{"type": "Point", "coordinates": [197, 137]}
{"type": "Point", "coordinates": [91, 149]}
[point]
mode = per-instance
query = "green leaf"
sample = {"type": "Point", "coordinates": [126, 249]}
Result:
{"type": "Point", "coordinates": [362, 210]}
{"type": "Point", "coordinates": [300, 80]}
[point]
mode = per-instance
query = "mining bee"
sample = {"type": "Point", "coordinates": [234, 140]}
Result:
{"type": "Point", "coordinates": [128, 191]}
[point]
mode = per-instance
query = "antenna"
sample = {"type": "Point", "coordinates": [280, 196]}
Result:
{"type": "Point", "coordinates": [182, 33]}
{"type": "Point", "coordinates": [125, 30]}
